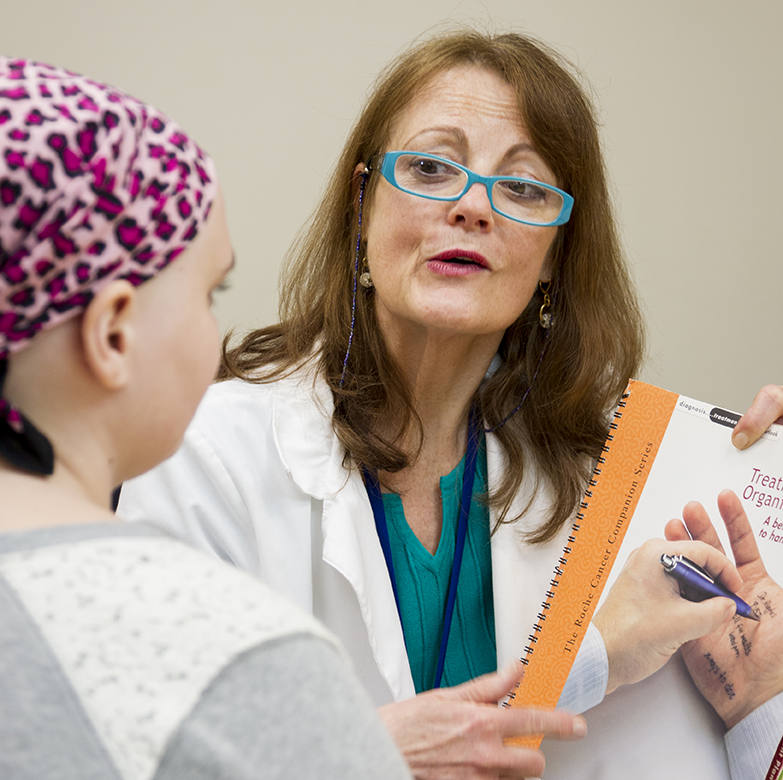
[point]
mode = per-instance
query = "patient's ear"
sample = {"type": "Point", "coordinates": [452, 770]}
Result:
{"type": "Point", "coordinates": [107, 332]}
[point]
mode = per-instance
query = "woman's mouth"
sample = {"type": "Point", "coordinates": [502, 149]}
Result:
{"type": "Point", "coordinates": [457, 262]}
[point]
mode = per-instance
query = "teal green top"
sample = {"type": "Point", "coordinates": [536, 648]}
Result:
{"type": "Point", "coordinates": [423, 586]}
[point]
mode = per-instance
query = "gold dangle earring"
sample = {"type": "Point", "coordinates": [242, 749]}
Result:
{"type": "Point", "coordinates": [365, 280]}
{"type": "Point", "coordinates": [544, 315]}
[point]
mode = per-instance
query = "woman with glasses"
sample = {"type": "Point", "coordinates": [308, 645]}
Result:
{"type": "Point", "coordinates": [402, 453]}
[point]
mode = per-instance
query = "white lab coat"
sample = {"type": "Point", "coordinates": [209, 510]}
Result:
{"type": "Point", "coordinates": [260, 481]}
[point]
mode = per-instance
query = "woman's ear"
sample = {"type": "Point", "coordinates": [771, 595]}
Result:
{"type": "Point", "coordinates": [553, 262]}
{"type": "Point", "coordinates": [361, 170]}
{"type": "Point", "coordinates": [357, 174]}
{"type": "Point", "coordinates": [548, 268]}
{"type": "Point", "coordinates": [108, 330]}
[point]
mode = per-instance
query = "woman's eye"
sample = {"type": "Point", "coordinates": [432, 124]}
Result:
{"type": "Point", "coordinates": [523, 190]}
{"type": "Point", "coordinates": [426, 167]}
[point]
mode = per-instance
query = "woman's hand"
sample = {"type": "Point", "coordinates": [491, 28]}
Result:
{"type": "Point", "coordinates": [739, 666]}
{"type": "Point", "coordinates": [766, 409]}
{"type": "Point", "coordinates": [644, 620]}
{"type": "Point", "coordinates": [458, 732]}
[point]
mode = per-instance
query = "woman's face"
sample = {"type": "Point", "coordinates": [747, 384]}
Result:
{"type": "Point", "coordinates": [457, 267]}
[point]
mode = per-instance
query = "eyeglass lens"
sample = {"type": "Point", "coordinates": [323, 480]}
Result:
{"type": "Point", "coordinates": [432, 178]}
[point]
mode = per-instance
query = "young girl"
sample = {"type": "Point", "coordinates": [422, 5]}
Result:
{"type": "Point", "coordinates": [125, 654]}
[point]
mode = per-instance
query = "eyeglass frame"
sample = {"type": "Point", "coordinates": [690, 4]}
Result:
{"type": "Point", "coordinates": [388, 160]}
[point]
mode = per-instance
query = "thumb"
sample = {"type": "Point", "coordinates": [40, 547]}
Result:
{"type": "Point", "coordinates": [675, 531]}
{"type": "Point", "coordinates": [707, 616]}
{"type": "Point", "coordinates": [490, 687]}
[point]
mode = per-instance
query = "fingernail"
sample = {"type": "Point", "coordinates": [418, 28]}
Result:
{"type": "Point", "coordinates": [740, 441]}
{"type": "Point", "coordinates": [580, 727]}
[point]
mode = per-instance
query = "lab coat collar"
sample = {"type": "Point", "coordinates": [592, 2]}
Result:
{"type": "Point", "coordinates": [302, 425]}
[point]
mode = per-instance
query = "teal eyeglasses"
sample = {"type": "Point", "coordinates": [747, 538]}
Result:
{"type": "Point", "coordinates": [521, 200]}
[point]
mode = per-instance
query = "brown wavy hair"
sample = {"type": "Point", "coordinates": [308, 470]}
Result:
{"type": "Point", "coordinates": [594, 346]}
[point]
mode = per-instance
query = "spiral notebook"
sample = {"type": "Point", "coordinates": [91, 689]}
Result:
{"type": "Point", "coordinates": [662, 451]}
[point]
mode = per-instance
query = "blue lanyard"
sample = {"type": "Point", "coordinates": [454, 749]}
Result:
{"type": "Point", "coordinates": [376, 501]}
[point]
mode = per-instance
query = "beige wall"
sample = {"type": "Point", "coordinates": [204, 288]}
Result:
{"type": "Point", "coordinates": [690, 96]}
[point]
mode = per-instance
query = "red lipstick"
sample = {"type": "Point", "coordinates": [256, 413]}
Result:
{"type": "Point", "coordinates": [457, 262]}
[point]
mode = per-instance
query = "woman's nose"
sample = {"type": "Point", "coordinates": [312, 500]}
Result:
{"type": "Point", "coordinates": [473, 209]}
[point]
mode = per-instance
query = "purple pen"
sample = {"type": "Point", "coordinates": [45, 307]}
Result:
{"type": "Point", "coordinates": [697, 585]}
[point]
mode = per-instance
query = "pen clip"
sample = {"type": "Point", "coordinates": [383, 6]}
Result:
{"type": "Point", "coordinates": [695, 567]}
{"type": "Point", "coordinates": [670, 563]}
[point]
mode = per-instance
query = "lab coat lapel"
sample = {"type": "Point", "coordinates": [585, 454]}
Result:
{"type": "Point", "coordinates": [314, 458]}
{"type": "Point", "coordinates": [351, 546]}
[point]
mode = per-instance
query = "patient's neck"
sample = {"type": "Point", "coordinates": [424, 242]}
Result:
{"type": "Point", "coordinates": [31, 501]}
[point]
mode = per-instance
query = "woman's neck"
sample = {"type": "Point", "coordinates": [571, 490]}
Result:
{"type": "Point", "coordinates": [443, 372]}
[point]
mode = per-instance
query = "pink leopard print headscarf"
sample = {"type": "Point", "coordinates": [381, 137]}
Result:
{"type": "Point", "coordinates": [94, 186]}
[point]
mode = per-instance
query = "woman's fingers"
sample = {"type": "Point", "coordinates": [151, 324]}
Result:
{"type": "Point", "coordinates": [743, 542]}
{"type": "Point", "coordinates": [675, 531]}
{"type": "Point", "coordinates": [700, 526]}
{"type": "Point", "coordinates": [459, 733]}
{"type": "Point", "coordinates": [766, 409]}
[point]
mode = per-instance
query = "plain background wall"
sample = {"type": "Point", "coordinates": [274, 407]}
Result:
{"type": "Point", "coordinates": [689, 93]}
